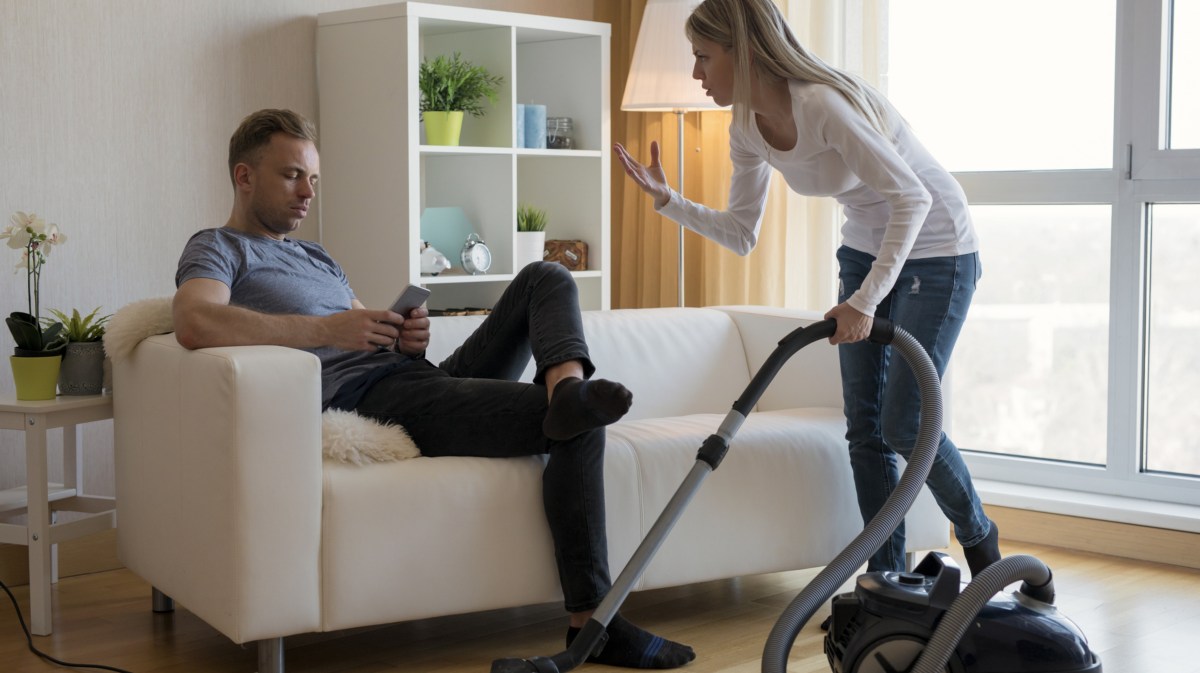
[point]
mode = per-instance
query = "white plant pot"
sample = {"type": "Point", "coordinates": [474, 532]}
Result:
{"type": "Point", "coordinates": [530, 247]}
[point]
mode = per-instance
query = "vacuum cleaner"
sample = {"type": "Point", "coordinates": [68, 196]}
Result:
{"type": "Point", "coordinates": [910, 622]}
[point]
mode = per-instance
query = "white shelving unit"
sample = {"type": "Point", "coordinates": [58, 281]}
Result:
{"type": "Point", "coordinates": [377, 177]}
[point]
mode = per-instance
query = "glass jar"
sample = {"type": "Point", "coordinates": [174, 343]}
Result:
{"type": "Point", "coordinates": [560, 133]}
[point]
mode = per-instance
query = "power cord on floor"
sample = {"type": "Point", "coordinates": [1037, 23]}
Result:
{"type": "Point", "coordinates": [43, 655]}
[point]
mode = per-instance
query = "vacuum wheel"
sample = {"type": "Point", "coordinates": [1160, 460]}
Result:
{"type": "Point", "coordinates": [893, 654]}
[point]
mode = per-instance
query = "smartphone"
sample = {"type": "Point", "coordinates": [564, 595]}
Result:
{"type": "Point", "coordinates": [412, 297]}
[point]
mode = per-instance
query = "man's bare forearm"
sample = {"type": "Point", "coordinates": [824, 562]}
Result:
{"type": "Point", "coordinates": [206, 324]}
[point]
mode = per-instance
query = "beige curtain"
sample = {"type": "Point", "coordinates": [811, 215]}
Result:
{"type": "Point", "coordinates": [793, 264]}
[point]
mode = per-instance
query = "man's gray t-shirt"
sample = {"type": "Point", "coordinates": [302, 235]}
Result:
{"type": "Point", "coordinates": [288, 277]}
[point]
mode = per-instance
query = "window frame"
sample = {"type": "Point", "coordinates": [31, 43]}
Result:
{"type": "Point", "coordinates": [1143, 172]}
{"type": "Point", "coordinates": [1150, 159]}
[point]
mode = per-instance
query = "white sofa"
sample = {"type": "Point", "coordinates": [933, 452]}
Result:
{"type": "Point", "coordinates": [226, 505]}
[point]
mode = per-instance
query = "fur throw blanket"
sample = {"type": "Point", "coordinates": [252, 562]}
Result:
{"type": "Point", "coordinates": [345, 436]}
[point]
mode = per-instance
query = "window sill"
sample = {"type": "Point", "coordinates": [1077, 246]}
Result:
{"type": "Point", "coordinates": [1134, 511]}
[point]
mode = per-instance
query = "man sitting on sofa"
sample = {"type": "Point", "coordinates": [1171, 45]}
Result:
{"type": "Point", "coordinates": [248, 283]}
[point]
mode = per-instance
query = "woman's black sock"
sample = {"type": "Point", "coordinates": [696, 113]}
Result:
{"type": "Point", "coordinates": [578, 406]}
{"type": "Point", "coordinates": [632, 647]}
{"type": "Point", "coordinates": [985, 552]}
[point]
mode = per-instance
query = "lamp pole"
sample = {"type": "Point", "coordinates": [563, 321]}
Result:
{"type": "Point", "coordinates": [679, 117]}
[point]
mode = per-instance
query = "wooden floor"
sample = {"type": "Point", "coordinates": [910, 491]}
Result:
{"type": "Point", "coordinates": [1140, 617]}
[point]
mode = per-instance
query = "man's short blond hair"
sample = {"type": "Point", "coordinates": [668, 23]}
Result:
{"type": "Point", "coordinates": [255, 131]}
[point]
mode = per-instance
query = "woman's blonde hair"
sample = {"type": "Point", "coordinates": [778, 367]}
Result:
{"type": "Point", "coordinates": [760, 40]}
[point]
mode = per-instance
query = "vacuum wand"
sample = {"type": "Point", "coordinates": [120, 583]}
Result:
{"type": "Point", "coordinates": [881, 526]}
{"type": "Point", "coordinates": [592, 637]}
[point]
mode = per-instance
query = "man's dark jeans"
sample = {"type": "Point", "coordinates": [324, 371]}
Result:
{"type": "Point", "coordinates": [471, 405]}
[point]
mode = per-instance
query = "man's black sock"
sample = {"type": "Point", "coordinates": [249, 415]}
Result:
{"type": "Point", "coordinates": [632, 647]}
{"type": "Point", "coordinates": [578, 406]}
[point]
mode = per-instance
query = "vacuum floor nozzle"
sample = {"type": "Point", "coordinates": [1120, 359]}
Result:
{"type": "Point", "coordinates": [535, 665]}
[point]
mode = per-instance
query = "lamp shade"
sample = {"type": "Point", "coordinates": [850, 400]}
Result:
{"type": "Point", "coordinates": [660, 77]}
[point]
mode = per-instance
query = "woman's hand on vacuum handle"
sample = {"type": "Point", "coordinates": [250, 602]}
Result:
{"type": "Point", "coordinates": [650, 178]}
{"type": "Point", "coordinates": [852, 325]}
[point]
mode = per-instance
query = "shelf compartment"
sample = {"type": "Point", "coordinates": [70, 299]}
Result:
{"type": "Point", "coordinates": [17, 498]}
{"type": "Point", "coordinates": [380, 177]}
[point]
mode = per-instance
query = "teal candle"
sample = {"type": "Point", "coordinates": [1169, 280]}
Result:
{"type": "Point", "coordinates": [520, 124]}
{"type": "Point", "coordinates": [535, 126]}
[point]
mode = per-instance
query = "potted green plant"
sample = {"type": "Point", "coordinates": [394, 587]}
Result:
{"type": "Point", "coordinates": [449, 88]}
{"type": "Point", "coordinates": [82, 371]}
{"type": "Point", "coordinates": [531, 235]}
{"type": "Point", "coordinates": [38, 353]}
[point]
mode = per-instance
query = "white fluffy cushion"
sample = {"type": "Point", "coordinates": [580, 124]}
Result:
{"type": "Point", "coordinates": [346, 436]}
{"type": "Point", "coordinates": [350, 438]}
{"type": "Point", "coordinates": [134, 322]}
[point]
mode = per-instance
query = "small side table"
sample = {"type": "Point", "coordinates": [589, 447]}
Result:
{"type": "Point", "coordinates": [40, 499]}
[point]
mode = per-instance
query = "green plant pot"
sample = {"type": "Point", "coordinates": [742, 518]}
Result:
{"type": "Point", "coordinates": [36, 377]}
{"type": "Point", "coordinates": [442, 128]}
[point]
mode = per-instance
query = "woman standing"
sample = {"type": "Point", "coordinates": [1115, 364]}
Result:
{"type": "Point", "coordinates": [909, 251]}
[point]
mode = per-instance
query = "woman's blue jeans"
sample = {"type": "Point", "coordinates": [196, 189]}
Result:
{"type": "Point", "coordinates": [883, 404]}
{"type": "Point", "coordinates": [472, 405]}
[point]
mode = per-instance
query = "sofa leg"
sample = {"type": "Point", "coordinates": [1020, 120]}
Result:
{"type": "Point", "coordinates": [910, 560]}
{"type": "Point", "coordinates": [161, 602]}
{"type": "Point", "coordinates": [270, 655]}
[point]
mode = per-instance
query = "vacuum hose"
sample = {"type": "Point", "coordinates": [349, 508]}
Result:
{"type": "Point", "coordinates": [1038, 584]}
{"type": "Point", "coordinates": [880, 528]}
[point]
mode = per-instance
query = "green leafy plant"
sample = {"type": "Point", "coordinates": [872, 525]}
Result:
{"type": "Point", "coordinates": [82, 329]}
{"type": "Point", "coordinates": [450, 84]}
{"type": "Point", "coordinates": [35, 238]}
{"type": "Point", "coordinates": [531, 219]}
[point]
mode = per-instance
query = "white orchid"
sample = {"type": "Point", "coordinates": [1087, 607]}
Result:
{"type": "Point", "coordinates": [35, 235]}
{"type": "Point", "coordinates": [35, 238]}
{"type": "Point", "coordinates": [18, 233]}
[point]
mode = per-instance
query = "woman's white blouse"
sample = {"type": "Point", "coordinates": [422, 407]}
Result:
{"type": "Point", "coordinates": [898, 201]}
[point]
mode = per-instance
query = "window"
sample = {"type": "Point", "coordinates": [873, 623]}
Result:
{"type": "Point", "coordinates": [1185, 74]}
{"type": "Point", "coordinates": [1173, 368]}
{"type": "Point", "coordinates": [1016, 85]}
{"type": "Point", "coordinates": [1037, 335]}
{"type": "Point", "coordinates": [1074, 127]}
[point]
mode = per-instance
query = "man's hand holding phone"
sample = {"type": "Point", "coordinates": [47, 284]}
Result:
{"type": "Point", "coordinates": [412, 297]}
{"type": "Point", "coordinates": [414, 329]}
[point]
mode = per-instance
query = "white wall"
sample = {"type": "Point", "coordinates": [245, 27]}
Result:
{"type": "Point", "coordinates": [115, 117]}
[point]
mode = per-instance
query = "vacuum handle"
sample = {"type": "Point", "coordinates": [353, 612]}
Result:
{"type": "Point", "coordinates": [882, 332]}
{"type": "Point", "coordinates": [946, 578]}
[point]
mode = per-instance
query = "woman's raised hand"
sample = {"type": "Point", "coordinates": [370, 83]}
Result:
{"type": "Point", "coordinates": [650, 178]}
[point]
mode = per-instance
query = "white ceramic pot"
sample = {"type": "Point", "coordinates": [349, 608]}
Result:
{"type": "Point", "coordinates": [530, 247]}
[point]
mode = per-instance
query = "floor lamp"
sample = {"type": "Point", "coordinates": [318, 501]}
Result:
{"type": "Point", "coordinates": [660, 77]}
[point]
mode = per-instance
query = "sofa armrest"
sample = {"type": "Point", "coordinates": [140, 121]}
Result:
{"type": "Point", "coordinates": [218, 474]}
{"type": "Point", "coordinates": [812, 378]}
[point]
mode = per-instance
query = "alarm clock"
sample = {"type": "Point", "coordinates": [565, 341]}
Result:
{"type": "Point", "coordinates": [476, 257]}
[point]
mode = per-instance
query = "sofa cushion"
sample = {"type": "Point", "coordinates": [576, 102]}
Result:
{"type": "Point", "coordinates": [763, 510]}
{"type": "Point", "coordinates": [677, 361]}
{"type": "Point", "coordinates": [811, 377]}
{"type": "Point", "coordinates": [434, 536]}
{"type": "Point", "coordinates": [428, 536]}
{"type": "Point", "coordinates": [668, 357]}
